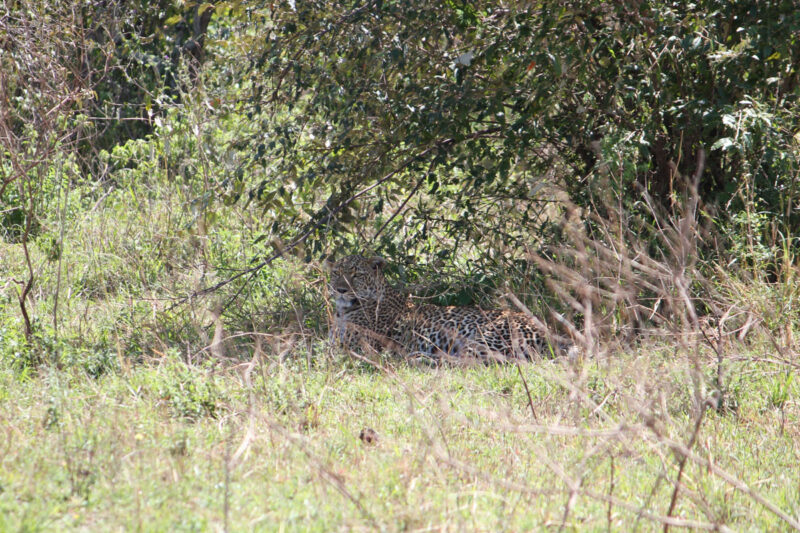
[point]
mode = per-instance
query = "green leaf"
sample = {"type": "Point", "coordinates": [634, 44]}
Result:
{"type": "Point", "coordinates": [722, 144]}
{"type": "Point", "coordinates": [729, 120]}
{"type": "Point", "coordinates": [205, 7]}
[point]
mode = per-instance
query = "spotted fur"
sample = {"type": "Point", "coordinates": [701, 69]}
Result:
{"type": "Point", "coordinates": [372, 313]}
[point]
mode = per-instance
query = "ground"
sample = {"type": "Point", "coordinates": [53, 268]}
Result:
{"type": "Point", "coordinates": [334, 443]}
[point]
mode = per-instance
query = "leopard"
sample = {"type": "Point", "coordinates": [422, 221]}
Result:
{"type": "Point", "coordinates": [372, 314]}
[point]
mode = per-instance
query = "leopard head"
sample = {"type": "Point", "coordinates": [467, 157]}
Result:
{"type": "Point", "coordinates": [356, 281]}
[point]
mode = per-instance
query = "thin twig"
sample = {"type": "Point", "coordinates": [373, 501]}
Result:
{"type": "Point", "coordinates": [527, 391]}
{"type": "Point", "coordinates": [682, 463]}
{"type": "Point", "coordinates": [402, 205]}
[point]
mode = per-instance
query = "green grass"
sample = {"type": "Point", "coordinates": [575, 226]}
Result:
{"type": "Point", "coordinates": [275, 446]}
{"type": "Point", "coordinates": [104, 426]}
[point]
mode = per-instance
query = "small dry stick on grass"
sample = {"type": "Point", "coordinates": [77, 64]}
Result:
{"type": "Point", "coordinates": [610, 491]}
{"type": "Point", "coordinates": [527, 391]}
{"type": "Point", "coordinates": [682, 462]}
{"type": "Point", "coordinates": [725, 476]}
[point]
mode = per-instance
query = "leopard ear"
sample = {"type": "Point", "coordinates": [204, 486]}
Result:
{"type": "Point", "coordinates": [377, 262]}
{"type": "Point", "coordinates": [327, 264]}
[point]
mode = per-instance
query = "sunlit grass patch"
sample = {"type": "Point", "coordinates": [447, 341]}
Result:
{"type": "Point", "coordinates": [181, 447]}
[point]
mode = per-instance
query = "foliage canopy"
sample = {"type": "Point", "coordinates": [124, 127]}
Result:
{"type": "Point", "coordinates": [471, 108]}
